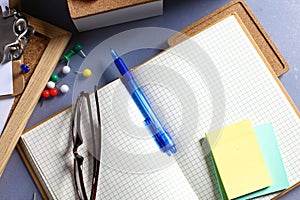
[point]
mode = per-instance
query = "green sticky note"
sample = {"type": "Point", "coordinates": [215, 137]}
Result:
{"type": "Point", "coordinates": [270, 151]}
{"type": "Point", "coordinates": [269, 147]}
{"type": "Point", "coordinates": [218, 179]}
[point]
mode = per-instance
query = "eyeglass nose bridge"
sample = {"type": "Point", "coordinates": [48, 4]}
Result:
{"type": "Point", "coordinates": [78, 158]}
{"type": "Point", "coordinates": [78, 140]}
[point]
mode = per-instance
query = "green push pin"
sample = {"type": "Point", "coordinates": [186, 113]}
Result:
{"type": "Point", "coordinates": [54, 78]}
{"type": "Point", "coordinates": [77, 48]}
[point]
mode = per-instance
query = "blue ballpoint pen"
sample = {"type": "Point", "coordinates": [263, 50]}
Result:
{"type": "Point", "coordinates": [162, 138]}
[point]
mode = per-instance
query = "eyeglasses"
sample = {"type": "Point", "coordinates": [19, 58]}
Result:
{"type": "Point", "coordinates": [95, 137]}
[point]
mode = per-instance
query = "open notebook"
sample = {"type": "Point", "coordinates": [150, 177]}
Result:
{"type": "Point", "coordinates": [213, 79]}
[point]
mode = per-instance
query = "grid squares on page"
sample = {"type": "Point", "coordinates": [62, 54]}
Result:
{"type": "Point", "coordinates": [173, 118]}
{"type": "Point", "coordinates": [50, 145]}
{"type": "Point", "coordinates": [120, 149]}
{"type": "Point", "coordinates": [250, 92]}
{"type": "Point", "coordinates": [248, 86]}
{"type": "Point", "coordinates": [63, 187]}
{"type": "Point", "coordinates": [145, 186]}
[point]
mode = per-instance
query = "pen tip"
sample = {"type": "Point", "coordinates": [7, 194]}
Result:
{"type": "Point", "coordinates": [114, 54]}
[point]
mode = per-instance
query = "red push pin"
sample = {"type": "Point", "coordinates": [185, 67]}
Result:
{"type": "Point", "coordinates": [45, 94]}
{"type": "Point", "coordinates": [53, 92]}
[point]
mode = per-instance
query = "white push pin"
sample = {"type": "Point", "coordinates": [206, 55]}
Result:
{"type": "Point", "coordinates": [64, 88]}
{"type": "Point", "coordinates": [66, 69]}
{"type": "Point", "coordinates": [50, 84]}
{"type": "Point", "coordinates": [85, 73]}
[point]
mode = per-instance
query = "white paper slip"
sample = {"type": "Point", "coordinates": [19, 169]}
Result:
{"type": "Point", "coordinates": [6, 79]}
{"type": "Point", "coordinates": [4, 3]}
{"type": "Point", "coordinates": [5, 106]}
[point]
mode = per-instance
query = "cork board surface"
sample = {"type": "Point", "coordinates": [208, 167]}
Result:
{"type": "Point", "coordinates": [31, 57]}
{"type": "Point", "coordinates": [261, 38]}
{"type": "Point", "coordinates": [83, 8]}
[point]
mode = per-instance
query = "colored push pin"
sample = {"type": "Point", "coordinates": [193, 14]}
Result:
{"type": "Point", "coordinates": [64, 89]}
{"type": "Point", "coordinates": [53, 92]}
{"type": "Point", "coordinates": [85, 73]}
{"type": "Point", "coordinates": [77, 48]}
{"type": "Point", "coordinates": [54, 78]}
{"type": "Point", "coordinates": [46, 94]}
{"type": "Point", "coordinates": [50, 84]}
{"type": "Point", "coordinates": [25, 69]}
{"type": "Point", "coordinates": [66, 69]}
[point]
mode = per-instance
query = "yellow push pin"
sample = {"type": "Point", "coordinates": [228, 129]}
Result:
{"type": "Point", "coordinates": [85, 73]}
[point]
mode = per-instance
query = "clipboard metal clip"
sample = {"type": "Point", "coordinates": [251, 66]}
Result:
{"type": "Point", "coordinates": [14, 33]}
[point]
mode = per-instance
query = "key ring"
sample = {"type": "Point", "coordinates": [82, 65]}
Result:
{"type": "Point", "coordinates": [15, 34]}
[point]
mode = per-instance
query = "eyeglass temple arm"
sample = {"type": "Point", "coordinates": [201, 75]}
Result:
{"type": "Point", "coordinates": [96, 161]}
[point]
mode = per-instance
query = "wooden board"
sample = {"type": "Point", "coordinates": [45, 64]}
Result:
{"type": "Point", "coordinates": [261, 38]}
{"type": "Point", "coordinates": [41, 54]}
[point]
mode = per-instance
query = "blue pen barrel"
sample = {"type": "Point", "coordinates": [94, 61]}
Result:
{"type": "Point", "coordinates": [159, 134]}
{"type": "Point", "coordinates": [120, 64]}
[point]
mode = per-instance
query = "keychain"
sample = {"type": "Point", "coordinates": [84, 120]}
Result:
{"type": "Point", "coordinates": [14, 33]}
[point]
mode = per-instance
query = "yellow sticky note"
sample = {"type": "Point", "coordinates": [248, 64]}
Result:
{"type": "Point", "coordinates": [238, 159]}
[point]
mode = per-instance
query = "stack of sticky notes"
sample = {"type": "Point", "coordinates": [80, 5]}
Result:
{"type": "Point", "coordinates": [246, 161]}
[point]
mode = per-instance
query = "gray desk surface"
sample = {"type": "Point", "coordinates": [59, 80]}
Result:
{"type": "Point", "coordinates": [280, 20]}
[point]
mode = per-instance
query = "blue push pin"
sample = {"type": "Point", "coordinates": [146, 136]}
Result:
{"type": "Point", "coordinates": [25, 68]}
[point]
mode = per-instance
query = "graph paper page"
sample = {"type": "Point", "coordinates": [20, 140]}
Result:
{"type": "Point", "coordinates": [214, 79]}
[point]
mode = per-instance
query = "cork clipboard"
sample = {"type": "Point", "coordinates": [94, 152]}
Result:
{"type": "Point", "coordinates": [250, 22]}
{"type": "Point", "coordinates": [42, 54]}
